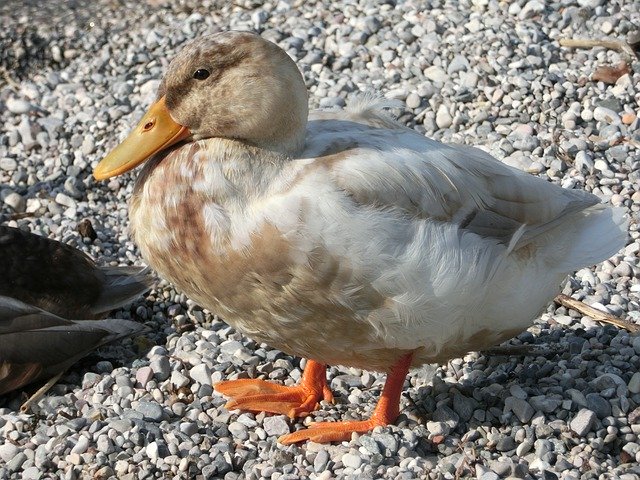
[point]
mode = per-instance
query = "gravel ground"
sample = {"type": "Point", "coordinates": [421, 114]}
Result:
{"type": "Point", "coordinates": [482, 72]}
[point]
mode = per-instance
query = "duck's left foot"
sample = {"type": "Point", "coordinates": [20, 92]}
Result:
{"type": "Point", "coordinates": [326, 432]}
{"type": "Point", "coordinates": [385, 413]}
{"type": "Point", "coordinates": [256, 395]}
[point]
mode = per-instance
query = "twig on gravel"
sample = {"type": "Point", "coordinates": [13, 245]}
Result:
{"type": "Point", "coordinates": [26, 406]}
{"type": "Point", "coordinates": [617, 45]}
{"type": "Point", "coordinates": [597, 315]}
{"type": "Point", "coordinates": [7, 77]}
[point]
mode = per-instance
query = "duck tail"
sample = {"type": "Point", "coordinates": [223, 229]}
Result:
{"type": "Point", "coordinates": [121, 286]}
{"type": "Point", "coordinates": [374, 109]}
{"type": "Point", "coordinates": [117, 329]}
{"type": "Point", "coordinates": [598, 233]}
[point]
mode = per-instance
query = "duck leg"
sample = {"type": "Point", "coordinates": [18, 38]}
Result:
{"type": "Point", "coordinates": [386, 412]}
{"type": "Point", "coordinates": [257, 395]}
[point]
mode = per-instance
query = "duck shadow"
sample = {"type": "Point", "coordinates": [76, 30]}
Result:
{"type": "Point", "coordinates": [544, 370]}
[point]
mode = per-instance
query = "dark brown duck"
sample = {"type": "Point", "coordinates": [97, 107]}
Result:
{"type": "Point", "coordinates": [50, 296]}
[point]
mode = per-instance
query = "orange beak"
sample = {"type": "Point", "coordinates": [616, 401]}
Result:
{"type": "Point", "coordinates": [155, 132]}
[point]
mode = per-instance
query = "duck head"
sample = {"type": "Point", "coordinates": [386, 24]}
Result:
{"type": "Point", "coordinates": [232, 85]}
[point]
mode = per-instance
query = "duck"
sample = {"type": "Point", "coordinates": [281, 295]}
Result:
{"type": "Point", "coordinates": [53, 300]}
{"type": "Point", "coordinates": [340, 236]}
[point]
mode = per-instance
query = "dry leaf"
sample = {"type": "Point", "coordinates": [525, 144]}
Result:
{"type": "Point", "coordinates": [610, 75]}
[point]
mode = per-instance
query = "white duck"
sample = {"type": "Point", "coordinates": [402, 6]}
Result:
{"type": "Point", "coordinates": [346, 239]}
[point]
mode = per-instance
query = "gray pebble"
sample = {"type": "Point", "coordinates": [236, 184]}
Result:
{"type": "Point", "coordinates": [275, 425]}
{"type": "Point", "coordinates": [583, 422]}
{"type": "Point", "coordinates": [150, 411]}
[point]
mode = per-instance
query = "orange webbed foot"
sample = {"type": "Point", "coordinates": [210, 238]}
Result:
{"type": "Point", "coordinates": [256, 395]}
{"type": "Point", "coordinates": [326, 432]}
{"type": "Point", "coordinates": [386, 412]}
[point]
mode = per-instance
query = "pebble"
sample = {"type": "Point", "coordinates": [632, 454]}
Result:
{"type": "Point", "coordinates": [598, 405]}
{"type": "Point", "coordinates": [413, 100]}
{"type": "Point", "coordinates": [606, 115]}
{"type": "Point", "coordinates": [276, 426]}
{"type": "Point", "coordinates": [150, 411]}
{"type": "Point", "coordinates": [520, 408]}
{"type": "Point", "coordinates": [201, 374]}
{"type": "Point", "coordinates": [634, 383]}
{"type": "Point", "coordinates": [17, 203]}
{"type": "Point", "coordinates": [351, 460]}
{"type": "Point", "coordinates": [17, 106]}
{"type": "Point", "coordinates": [8, 164]}
{"type": "Point", "coordinates": [583, 422]}
{"type": "Point", "coordinates": [8, 451]}
{"type": "Point", "coordinates": [443, 117]}
{"type": "Point", "coordinates": [436, 74]}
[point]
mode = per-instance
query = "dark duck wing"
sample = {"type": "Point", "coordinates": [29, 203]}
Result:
{"type": "Point", "coordinates": [36, 345]}
{"type": "Point", "coordinates": [63, 280]}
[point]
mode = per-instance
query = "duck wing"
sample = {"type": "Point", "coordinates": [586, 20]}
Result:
{"type": "Point", "coordinates": [396, 169]}
{"type": "Point", "coordinates": [35, 344]}
{"type": "Point", "coordinates": [63, 280]}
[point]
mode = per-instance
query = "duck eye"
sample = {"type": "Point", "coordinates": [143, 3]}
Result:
{"type": "Point", "coordinates": [201, 74]}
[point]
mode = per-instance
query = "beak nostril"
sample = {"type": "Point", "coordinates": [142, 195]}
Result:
{"type": "Point", "coordinates": [148, 126]}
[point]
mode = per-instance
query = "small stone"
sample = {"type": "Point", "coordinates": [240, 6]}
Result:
{"type": "Point", "coordinates": [446, 415]}
{"type": "Point", "coordinates": [524, 448]}
{"type": "Point", "coordinates": [143, 375]}
{"type": "Point", "coordinates": [369, 444]}
{"type": "Point", "coordinates": [438, 428]}
{"type": "Point", "coordinates": [606, 115]}
{"type": "Point", "coordinates": [275, 426]}
{"type": "Point", "coordinates": [8, 451]}
{"type": "Point", "coordinates": [583, 422]}
{"type": "Point", "coordinates": [85, 228]}
{"type": "Point", "coordinates": [151, 411]}
{"type": "Point", "coordinates": [489, 476]}
{"type": "Point", "coordinates": [152, 450]}
{"type": "Point", "coordinates": [17, 106]}
{"type": "Point", "coordinates": [31, 473]}
{"type": "Point", "coordinates": [545, 404]}
{"type": "Point", "coordinates": [464, 406]}
{"type": "Point", "coordinates": [189, 428]}
{"type": "Point", "coordinates": [16, 462]}
{"type": "Point", "coordinates": [598, 405]}
{"type": "Point", "coordinates": [520, 408]}
{"type": "Point", "coordinates": [161, 368]}
{"type": "Point", "coordinates": [81, 446]}
{"type": "Point", "coordinates": [531, 9]}
{"type": "Point", "coordinates": [201, 374]}
{"type": "Point", "coordinates": [104, 473]}
{"type": "Point", "coordinates": [238, 430]}
{"type": "Point", "coordinates": [506, 444]}
{"type": "Point", "coordinates": [591, 3]}
{"type": "Point", "coordinates": [178, 379]}
{"type": "Point", "coordinates": [436, 74]}
{"type": "Point", "coordinates": [90, 379]}
{"type": "Point", "coordinates": [351, 460]}
{"type": "Point", "coordinates": [8, 164]}
{"type": "Point", "coordinates": [321, 461]}
{"type": "Point", "coordinates": [443, 117]}
{"type": "Point", "coordinates": [389, 443]}
{"type": "Point", "coordinates": [634, 383]}
{"type": "Point", "coordinates": [413, 100]}
{"type": "Point", "coordinates": [16, 202]}
{"type": "Point", "coordinates": [65, 200]}
{"type": "Point", "coordinates": [458, 63]}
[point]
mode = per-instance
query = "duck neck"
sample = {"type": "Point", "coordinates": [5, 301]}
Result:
{"type": "Point", "coordinates": [227, 172]}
